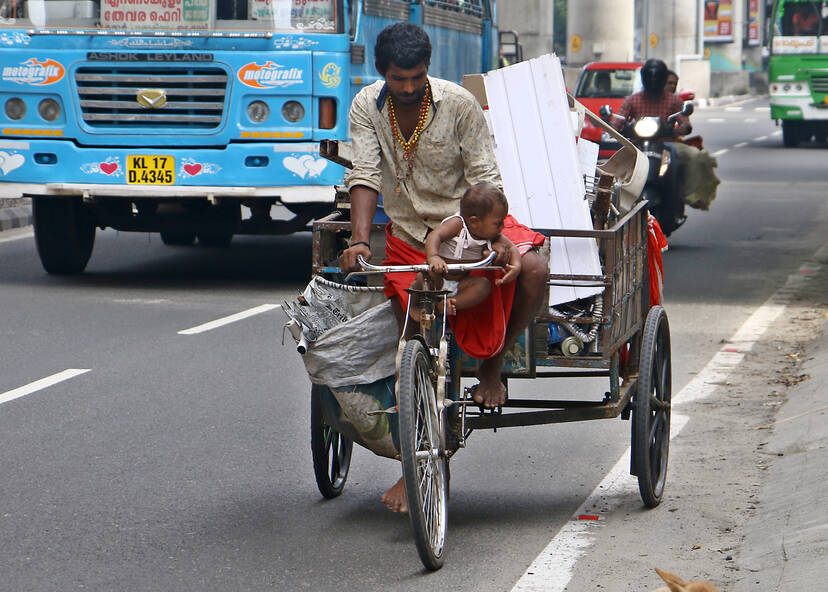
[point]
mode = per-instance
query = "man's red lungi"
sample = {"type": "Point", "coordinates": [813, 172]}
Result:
{"type": "Point", "coordinates": [480, 330]}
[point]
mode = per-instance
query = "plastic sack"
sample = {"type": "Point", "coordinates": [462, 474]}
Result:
{"type": "Point", "coordinates": [347, 409]}
{"type": "Point", "coordinates": [698, 181]}
{"type": "Point", "coordinates": [351, 333]}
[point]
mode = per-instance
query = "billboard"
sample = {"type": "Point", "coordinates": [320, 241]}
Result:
{"type": "Point", "coordinates": [718, 20]}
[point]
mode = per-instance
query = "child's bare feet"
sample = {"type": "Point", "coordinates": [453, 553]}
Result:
{"type": "Point", "coordinates": [395, 498]}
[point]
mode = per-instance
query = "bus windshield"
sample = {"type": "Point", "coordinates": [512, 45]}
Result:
{"type": "Point", "coordinates": [308, 16]}
{"type": "Point", "coordinates": [801, 19]}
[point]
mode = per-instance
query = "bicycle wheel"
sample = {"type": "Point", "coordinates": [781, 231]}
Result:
{"type": "Point", "coordinates": [651, 409]}
{"type": "Point", "coordinates": [422, 454]}
{"type": "Point", "coordinates": [331, 451]}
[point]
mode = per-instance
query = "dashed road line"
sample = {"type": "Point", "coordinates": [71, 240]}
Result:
{"type": "Point", "coordinates": [733, 108]}
{"type": "Point", "coordinates": [41, 384]}
{"type": "Point", "coordinates": [720, 152]}
{"type": "Point", "coordinates": [229, 319]}
{"type": "Point", "coordinates": [15, 234]}
{"type": "Point", "coordinates": [760, 139]}
{"type": "Point", "coordinates": [750, 120]}
{"type": "Point", "coordinates": [740, 145]}
{"type": "Point", "coordinates": [777, 133]}
{"type": "Point", "coordinates": [716, 120]}
{"type": "Point", "coordinates": [762, 109]}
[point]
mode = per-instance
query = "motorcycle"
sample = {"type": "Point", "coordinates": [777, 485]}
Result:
{"type": "Point", "coordinates": [654, 137]}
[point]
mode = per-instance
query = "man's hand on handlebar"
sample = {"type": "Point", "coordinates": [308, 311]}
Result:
{"type": "Point", "coordinates": [348, 259]}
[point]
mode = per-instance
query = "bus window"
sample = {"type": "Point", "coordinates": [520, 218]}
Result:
{"type": "Point", "coordinates": [317, 16]}
{"type": "Point", "coordinates": [801, 19]}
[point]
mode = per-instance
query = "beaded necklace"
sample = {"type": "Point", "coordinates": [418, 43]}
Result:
{"type": "Point", "coordinates": [409, 147]}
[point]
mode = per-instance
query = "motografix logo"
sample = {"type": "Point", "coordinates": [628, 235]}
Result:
{"type": "Point", "coordinates": [268, 75]}
{"type": "Point", "coordinates": [35, 72]}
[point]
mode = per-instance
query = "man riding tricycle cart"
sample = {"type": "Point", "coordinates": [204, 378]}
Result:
{"type": "Point", "coordinates": [397, 314]}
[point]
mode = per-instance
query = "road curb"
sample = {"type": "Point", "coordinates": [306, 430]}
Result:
{"type": "Point", "coordinates": [16, 217]}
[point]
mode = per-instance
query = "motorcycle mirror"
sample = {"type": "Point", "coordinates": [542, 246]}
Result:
{"type": "Point", "coordinates": [605, 112]}
{"type": "Point", "coordinates": [687, 108]}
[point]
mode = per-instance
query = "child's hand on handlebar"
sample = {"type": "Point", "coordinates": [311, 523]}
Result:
{"type": "Point", "coordinates": [348, 259]}
{"type": "Point", "coordinates": [437, 265]}
{"type": "Point", "coordinates": [512, 272]}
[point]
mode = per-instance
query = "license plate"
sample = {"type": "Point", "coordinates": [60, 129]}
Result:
{"type": "Point", "coordinates": [150, 169]}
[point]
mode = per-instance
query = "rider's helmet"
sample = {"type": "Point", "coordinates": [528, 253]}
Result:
{"type": "Point", "coordinates": [654, 76]}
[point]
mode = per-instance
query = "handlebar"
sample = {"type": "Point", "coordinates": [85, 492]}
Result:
{"type": "Point", "coordinates": [368, 268]}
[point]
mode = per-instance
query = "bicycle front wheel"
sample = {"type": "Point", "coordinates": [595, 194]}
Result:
{"type": "Point", "coordinates": [423, 456]}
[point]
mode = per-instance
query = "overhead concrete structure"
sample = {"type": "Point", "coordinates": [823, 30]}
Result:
{"type": "Point", "coordinates": [533, 20]}
{"type": "Point", "coordinates": [600, 30]}
{"type": "Point", "coordinates": [669, 29]}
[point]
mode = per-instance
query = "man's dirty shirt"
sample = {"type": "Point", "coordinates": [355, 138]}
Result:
{"type": "Point", "coordinates": [453, 153]}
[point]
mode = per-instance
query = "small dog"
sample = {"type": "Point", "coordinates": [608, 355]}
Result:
{"type": "Point", "coordinates": [676, 584]}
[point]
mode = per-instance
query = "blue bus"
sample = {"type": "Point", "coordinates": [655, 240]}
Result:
{"type": "Point", "coordinates": [193, 118]}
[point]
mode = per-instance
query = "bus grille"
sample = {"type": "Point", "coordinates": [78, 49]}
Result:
{"type": "Point", "coordinates": [819, 84]}
{"type": "Point", "coordinates": [194, 97]}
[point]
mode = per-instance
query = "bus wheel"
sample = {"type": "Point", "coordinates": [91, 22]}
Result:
{"type": "Point", "coordinates": [64, 233]}
{"type": "Point", "coordinates": [790, 134]}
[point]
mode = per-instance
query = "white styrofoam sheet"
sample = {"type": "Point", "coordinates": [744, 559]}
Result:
{"type": "Point", "coordinates": [539, 162]}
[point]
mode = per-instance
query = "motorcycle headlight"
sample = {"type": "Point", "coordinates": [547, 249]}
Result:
{"type": "Point", "coordinates": [646, 127]}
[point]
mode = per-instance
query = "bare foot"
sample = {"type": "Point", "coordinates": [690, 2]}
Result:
{"type": "Point", "coordinates": [490, 392]}
{"type": "Point", "coordinates": [395, 499]}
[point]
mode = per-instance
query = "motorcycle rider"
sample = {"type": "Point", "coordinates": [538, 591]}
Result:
{"type": "Point", "coordinates": [655, 101]}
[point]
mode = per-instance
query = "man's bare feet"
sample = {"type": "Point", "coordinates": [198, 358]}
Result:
{"type": "Point", "coordinates": [490, 392]}
{"type": "Point", "coordinates": [395, 499]}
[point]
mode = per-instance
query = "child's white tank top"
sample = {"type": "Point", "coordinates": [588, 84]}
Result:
{"type": "Point", "coordinates": [463, 247]}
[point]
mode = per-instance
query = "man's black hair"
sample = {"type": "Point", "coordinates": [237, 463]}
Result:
{"type": "Point", "coordinates": [403, 44]}
{"type": "Point", "coordinates": [654, 76]}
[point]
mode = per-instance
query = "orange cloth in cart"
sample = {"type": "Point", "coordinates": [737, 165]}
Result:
{"type": "Point", "coordinates": [656, 244]}
{"type": "Point", "coordinates": [480, 330]}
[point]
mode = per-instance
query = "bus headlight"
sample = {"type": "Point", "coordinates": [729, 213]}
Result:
{"type": "Point", "coordinates": [15, 108]}
{"type": "Point", "coordinates": [49, 109]}
{"type": "Point", "coordinates": [293, 111]}
{"type": "Point", "coordinates": [258, 111]}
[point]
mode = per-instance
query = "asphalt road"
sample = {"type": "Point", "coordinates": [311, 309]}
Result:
{"type": "Point", "coordinates": [182, 461]}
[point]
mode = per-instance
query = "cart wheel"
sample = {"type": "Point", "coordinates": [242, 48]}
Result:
{"type": "Point", "coordinates": [331, 451]}
{"type": "Point", "coordinates": [651, 411]}
{"type": "Point", "coordinates": [423, 457]}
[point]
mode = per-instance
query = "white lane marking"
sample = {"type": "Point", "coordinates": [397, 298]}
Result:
{"type": "Point", "coordinates": [41, 384]}
{"type": "Point", "coordinates": [760, 139]}
{"type": "Point", "coordinates": [15, 234]}
{"type": "Point", "coordinates": [740, 145]}
{"type": "Point", "coordinates": [733, 108]}
{"type": "Point", "coordinates": [716, 120]}
{"type": "Point", "coordinates": [762, 109]}
{"type": "Point", "coordinates": [777, 133]}
{"type": "Point", "coordinates": [229, 319]}
{"type": "Point", "coordinates": [720, 152]}
{"type": "Point", "coordinates": [750, 120]}
{"type": "Point", "coordinates": [553, 568]}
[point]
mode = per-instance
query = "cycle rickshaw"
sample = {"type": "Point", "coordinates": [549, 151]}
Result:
{"type": "Point", "coordinates": [628, 344]}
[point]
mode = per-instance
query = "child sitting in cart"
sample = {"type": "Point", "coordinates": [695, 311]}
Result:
{"type": "Point", "coordinates": [469, 236]}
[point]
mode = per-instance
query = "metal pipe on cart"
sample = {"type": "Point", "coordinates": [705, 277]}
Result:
{"type": "Point", "coordinates": [574, 344]}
